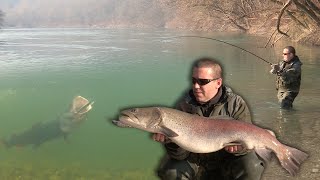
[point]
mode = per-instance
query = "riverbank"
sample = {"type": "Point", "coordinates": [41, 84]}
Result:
{"type": "Point", "coordinates": [256, 17]}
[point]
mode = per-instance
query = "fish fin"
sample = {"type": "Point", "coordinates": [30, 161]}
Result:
{"type": "Point", "coordinates": [232, 144]}
{"type": "Point", "coordinates": [290, 159]}
{"type": "Point", "coordinates": [271, 132]}
{"type": "Point", "coordinates": [264, 153]}
{"type": "Point", "coordinates": [224, 117]}
{"type": "Point", "coordinates": [168, 132]}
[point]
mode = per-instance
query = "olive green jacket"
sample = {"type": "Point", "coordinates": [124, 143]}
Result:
{"type": "Point", "coordinates": [289, 75]}
{"type": "Point", "coordinates": [229, 105]}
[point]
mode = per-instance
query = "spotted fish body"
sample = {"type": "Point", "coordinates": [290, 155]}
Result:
{"type": "Point", "coordinates": [203, 135]}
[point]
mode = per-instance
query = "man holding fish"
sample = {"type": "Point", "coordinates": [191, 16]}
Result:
{"type": "Point", "coordinates": [210, 98]}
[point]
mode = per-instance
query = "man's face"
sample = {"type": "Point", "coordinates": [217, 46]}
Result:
{"type": "Point", "coordinates": [204, 85]}
{"type": "Point", "coordinates": [287, 56]}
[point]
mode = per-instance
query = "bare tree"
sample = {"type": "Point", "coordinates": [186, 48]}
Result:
{"type": "Point", "coordinates": [243, 14]}
{"type": "Point", "coordinates": [299, 15]}
{"type": "Point", "coordinates": [296, 19]}
{"type": "Point", "coordinates": [280, 15]}
{"type": "Point", "coordinates": [311, 9]}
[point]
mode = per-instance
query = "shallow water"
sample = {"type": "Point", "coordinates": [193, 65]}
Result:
{"type": "Point", "coordinates": [41, 70]}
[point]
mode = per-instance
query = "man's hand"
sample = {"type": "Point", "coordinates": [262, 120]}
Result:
{"type": "Point", "coordinates": [234, 149]}
{"type": "Point", "coordinates": [159, 137]}
{"type": "Point", "coordinates": [274, 68]}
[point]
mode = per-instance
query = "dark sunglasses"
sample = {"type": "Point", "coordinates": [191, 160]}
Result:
{"type": "Point", "coordinates": [202, 82]}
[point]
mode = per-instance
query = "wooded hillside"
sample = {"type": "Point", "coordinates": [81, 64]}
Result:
{"type": "Point", "coordinates": [298, 20]}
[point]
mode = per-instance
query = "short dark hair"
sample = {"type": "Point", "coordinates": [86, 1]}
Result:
{"type": "Point", "coordinates": [210, 63]}
{"type": "Point", "coordinates": [291, 49]}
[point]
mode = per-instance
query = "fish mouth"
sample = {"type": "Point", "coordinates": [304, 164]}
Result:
{"type": "Point", "coordinates": [120, 124]}
{"type": "Point", "coordinates": [125, 120]}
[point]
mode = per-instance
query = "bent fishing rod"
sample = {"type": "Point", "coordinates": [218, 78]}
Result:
{"type": "Point", "coordinates": [226, 43]}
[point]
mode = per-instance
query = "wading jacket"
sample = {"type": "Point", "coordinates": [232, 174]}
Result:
{"type": "Point", "coordinates": [289, 75]}
{"type": "Point", "coordinates": [226, 103]}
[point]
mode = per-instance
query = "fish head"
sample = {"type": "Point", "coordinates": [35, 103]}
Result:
{"type": "Point", "coordinates": [147, 119]}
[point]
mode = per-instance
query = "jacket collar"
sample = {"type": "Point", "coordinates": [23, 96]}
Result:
{"type": "Point", "coordinates": [220, 98]}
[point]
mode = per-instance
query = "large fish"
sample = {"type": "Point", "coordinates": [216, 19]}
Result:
{"type": "Point", "coordinates": [46, 131]}
{"type": "Point", "coordinates": [203, 135]}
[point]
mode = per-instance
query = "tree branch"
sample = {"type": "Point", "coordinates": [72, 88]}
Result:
{"type": "Point", "coordinates": [270, 38]}
{"type": "Point", "coordinates": [313, 6]}
{"type": "Point", "coordinates": [278, 2]}
{"type": "Point", "coordinates": [311, 14]}
{"type": "Point", "coordinates": [296, 20]}
{"type": "Point", "coordinates": [274, 42]}
{"type": "Point", "coordinates": [280, 15]}
{"type": "Point", "coordinates": [228, 15]}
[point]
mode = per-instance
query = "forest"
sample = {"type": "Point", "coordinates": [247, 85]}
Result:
{"type": "Point", "coordinates": [298, 20]}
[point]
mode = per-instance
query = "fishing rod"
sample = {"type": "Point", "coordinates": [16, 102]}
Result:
{"type": "Point", "coordinates": [228, 44]}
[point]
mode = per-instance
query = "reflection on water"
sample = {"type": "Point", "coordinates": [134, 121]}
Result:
{"type": "Point", "coordinates": [287, 125]}
{"type": "Point", "coordinates": [42, 69]}
{"type": "Point", "coordinates": [298, 129]}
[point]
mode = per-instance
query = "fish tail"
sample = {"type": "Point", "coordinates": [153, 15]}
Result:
{"type": "Point", "coordinates": [291, 158]}
{"type": "Point", "coordinates": [264, 153]}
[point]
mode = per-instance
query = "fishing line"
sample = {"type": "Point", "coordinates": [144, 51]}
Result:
{"type": "Point", "coordinates": [228, 44]}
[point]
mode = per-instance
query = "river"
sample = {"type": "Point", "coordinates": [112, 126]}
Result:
{"type": "Point", "coordinates": [41, 70]}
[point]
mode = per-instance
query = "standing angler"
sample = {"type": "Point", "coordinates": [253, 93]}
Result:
{"type": "Point", "coordinates": [288, 74]}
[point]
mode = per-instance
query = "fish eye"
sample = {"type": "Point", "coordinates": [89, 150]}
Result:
{"type": "Point", "coordinates": [134, 110]}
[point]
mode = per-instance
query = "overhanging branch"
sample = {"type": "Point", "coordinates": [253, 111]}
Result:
{"type": "Point", "coordinates": [280, 15]}
{"type": "Point", "coordinates": [310, 13]}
